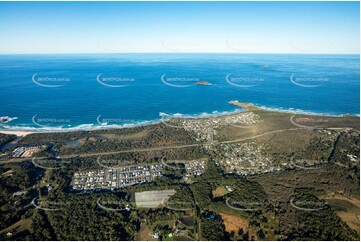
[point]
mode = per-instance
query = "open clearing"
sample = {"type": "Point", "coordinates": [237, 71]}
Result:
{"type": "Point", "coordinates": [234, 223]}
{"type": "Point", "coordinates": [348, 209]}
{"type": "Point", "coordinates": [152, 199]}
{"type": "Point", "coordinates": [19, 226]}
{"type": "Point", "coordinates": [144, 233]}
{"type": "Point", "coordinates": [220, 191]}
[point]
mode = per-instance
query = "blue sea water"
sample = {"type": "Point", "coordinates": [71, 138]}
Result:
{"type": "Point", "coordinates": [89, 91]}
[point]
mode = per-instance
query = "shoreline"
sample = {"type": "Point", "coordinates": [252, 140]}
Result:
{"type": "Point", "coordinates": [246, 107]}
{"type": "Point", "coordinates": [17, 132]}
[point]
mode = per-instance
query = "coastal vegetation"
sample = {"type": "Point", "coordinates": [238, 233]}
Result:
{"type": "Point", "coordinates": [288, 202]}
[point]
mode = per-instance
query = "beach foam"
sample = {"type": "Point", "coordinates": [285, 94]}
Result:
{"type": "Point", "coordinates": [162, 115]}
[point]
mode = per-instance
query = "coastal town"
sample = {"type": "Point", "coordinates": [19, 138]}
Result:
{"type": "Point", "coordinates": [114, 178]}
{"type": "Point", "coordinates": [204, 128]}
{"type": "Point", "coordinates": [244, 159]}
{"type": "Point", "coordinates": [180, 120]}
{"type": "Point", "coordinates": [194, 168]}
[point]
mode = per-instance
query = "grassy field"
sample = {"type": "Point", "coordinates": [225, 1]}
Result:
{"type": "Point", "coordinates": [220, 191]}
{"type": "Point", "coordinates": [17, 227]}
{"type": "Point", "coordinates": [348, 209]}
{"type": "Point", "coordinates": [144, 233]}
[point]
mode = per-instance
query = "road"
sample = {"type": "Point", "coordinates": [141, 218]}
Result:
{"type": "Point", "coordinates": [157, 148]}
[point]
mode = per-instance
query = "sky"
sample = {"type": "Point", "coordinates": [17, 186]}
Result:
{"type": "Point", "coordinates": [227, 27]}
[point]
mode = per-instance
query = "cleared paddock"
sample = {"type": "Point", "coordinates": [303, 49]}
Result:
{"type": "Point", "coordinates": [152, 199]}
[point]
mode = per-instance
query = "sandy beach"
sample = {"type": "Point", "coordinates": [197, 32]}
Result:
{"type": "Point", "coordinates": [17, 133]}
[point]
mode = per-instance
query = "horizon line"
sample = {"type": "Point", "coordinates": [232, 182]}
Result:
{"type": "Point", "coordinates": [248, 53]}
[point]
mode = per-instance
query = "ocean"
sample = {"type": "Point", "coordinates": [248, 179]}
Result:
{"type": "Point", "coordinates": [90, 91]}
